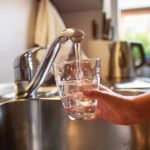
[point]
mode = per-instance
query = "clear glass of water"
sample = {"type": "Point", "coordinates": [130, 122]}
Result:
{"type": "Point", "coordinates": [72, 78]}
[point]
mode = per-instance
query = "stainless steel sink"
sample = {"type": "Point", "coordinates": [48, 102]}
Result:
{"type": "Point", "coordinates": [43, 125]}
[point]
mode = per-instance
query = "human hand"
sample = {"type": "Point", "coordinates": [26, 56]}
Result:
{"type": "Point", "coordinates": [111, 106]}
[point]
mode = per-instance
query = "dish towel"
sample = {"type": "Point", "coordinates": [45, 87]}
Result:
{"type": "Point", "coordinates": [49, 24]}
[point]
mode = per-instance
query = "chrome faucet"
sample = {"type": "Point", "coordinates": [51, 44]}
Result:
{"type": "Point", "coordinates": [29, 77]}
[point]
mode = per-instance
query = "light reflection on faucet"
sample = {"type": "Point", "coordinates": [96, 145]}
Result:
{"type": "Point", "coordinates": [28, 88]}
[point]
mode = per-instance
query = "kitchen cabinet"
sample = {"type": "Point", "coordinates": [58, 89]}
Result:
{"type": "Point", "coordinates": [77, 5]}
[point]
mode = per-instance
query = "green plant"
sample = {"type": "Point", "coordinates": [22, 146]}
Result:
{"type": "Point", "coordinates": [143, 38]}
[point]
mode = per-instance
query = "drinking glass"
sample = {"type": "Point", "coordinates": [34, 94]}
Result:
{"type": "Point", "coordinates": [72, 78]}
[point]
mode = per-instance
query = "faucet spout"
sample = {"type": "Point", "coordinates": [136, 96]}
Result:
{"type": "Point", "coordinates": [29, 89]}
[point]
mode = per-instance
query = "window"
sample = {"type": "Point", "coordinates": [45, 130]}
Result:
{"type": "Point", "coordinates": [135, 24]}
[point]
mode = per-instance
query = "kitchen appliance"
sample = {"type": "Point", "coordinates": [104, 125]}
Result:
{"type": "Point", "coordinates": [122, 64]}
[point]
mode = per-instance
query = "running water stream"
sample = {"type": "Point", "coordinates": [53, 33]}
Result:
{"type": "Point", "coordinates": [79, 72]}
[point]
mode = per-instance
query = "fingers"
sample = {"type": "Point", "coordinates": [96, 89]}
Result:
{"type": "Point", "coordinates": [96, 94]}
{"type": "Point", "coordinates": [87, 86]}
{"type": "Point", "coordinates": [103, 88]}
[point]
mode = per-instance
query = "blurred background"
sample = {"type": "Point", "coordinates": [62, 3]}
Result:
{"type": "Point", "coordinates": [23, 26]}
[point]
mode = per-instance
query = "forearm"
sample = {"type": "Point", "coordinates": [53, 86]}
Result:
{"type": "Point", "coordinates": [139, 109]}
{"type": "Point", "coordinates": [119, 109]}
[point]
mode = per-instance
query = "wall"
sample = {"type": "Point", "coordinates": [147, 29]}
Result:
{"type": "Point", "coordinates": [17, 21]}
{"type": "Point", "coordinates": [112, 11]}
{"type": "Point", "coordinates": [107, 8]}
{"type": "Point", "coordinates": [82, 20]}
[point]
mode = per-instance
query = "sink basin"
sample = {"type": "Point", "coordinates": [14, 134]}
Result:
{"type": "Point", "coordinates": [43, 125]}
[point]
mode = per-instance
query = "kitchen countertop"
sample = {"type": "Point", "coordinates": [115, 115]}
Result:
{"type": "Point", "coordinates": [7, 91]}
